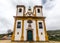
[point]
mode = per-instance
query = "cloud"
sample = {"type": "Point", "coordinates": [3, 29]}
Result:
{"type": "Point", "coordinates": [53, 16]}
{"type": "Point", "coordinates": [4, 24]}
{"type": "Point", "coordinates": [51, 9]}
{"type": "Point", "coordinates": [49, 4]}
{"type": "Point", "coordinates": [44, 1]}
{"type": "Point", "coordinates": [6, 15]}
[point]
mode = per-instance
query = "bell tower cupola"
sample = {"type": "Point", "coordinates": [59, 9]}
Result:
{"type": "Point", "coordinates": [20, 10]}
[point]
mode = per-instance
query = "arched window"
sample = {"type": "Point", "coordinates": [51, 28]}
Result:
{"type": "Point", "coordinates": [38, 10]}
{"type": "Point", "coordinates": [20, 10]}
{"type": "Point", "coordinates": [40, 25]}
{"type": "Point", "coordinates": [18, 24]}
{"type": "Point", "coordinates": [29, 21]}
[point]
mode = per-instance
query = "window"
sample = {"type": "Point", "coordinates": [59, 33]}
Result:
{"type": "Point", "coordinates": [40, 25]}
{"type": "Point", "coordinates": [20, 10]}
{"type": "Point", "coordinates": [29, 9]}
{"type": "Point", "coordinates": [18, 24]}
{"type": "Point", "coordinates": [29, 21]}
{"type": "Point", "coordinates": [38, 10]}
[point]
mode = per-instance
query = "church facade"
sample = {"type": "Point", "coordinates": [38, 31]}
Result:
{"type": "Point", "coordinates": [30, 25]}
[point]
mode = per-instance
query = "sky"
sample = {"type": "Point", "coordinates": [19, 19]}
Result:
{"type": "Point", "coordinates": [51, 10]}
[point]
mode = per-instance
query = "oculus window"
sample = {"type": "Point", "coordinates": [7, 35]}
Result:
{"type": "Point", "coordinates": [18, 24]}
{"type": "Point", "coordinates": [29, 21]}
{"type": "Point", "coordinates": [40, 25]}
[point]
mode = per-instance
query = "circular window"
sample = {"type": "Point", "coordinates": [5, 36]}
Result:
{"type": "Point", "coordinates": [29, 21]}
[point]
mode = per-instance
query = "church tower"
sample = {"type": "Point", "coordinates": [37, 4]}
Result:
{"type": "Point", "coordinates": [30, 25]}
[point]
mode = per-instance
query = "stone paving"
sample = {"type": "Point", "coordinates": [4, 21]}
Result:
{"type": "Point", "coordinates": [9, 41]}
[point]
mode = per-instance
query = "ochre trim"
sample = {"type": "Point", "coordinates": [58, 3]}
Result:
{"type": "Point", "coordinates": [35, 11]}
{"type": "Point", "coordinates": [22, 35]}
{"type": "Point", "coordinates": [20, 6]}
{"type": "Point", "coordinates": [37, 6]}
{"type": "Point", "coordinates": [37, 37]}
{"type": "Point", "coordinates": [30, 17]}
{"type": "Point", "coordinates": [16, 11]}
{"type": "Point", "coordinates": [41, 12]}
{"type": "Point", "coordinates": [13, 35]}
{"type": "Point", "coordinates": [46, 36]}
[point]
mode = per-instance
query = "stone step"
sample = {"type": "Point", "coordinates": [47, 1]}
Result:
{"type": "Point", "coordinates": [39, 42]}
{"type": "Point", "coordinates": [30, 42]}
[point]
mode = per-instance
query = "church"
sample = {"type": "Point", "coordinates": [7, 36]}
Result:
{"type": "Point", "coordinates": [30, 25]}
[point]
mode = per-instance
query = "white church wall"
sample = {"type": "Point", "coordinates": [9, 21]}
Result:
{"type": "Point", "coordinates": [34, 30]}
{"type": "Point", "coordinates": [26, 28]}
{"type": "Point", "coordinates": [41, 36]}
{"type": "Point", "coordinates": [18, 36]}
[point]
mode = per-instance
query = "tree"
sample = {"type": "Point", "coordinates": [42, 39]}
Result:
{"type": "Point", "coordinates": [9, 32]}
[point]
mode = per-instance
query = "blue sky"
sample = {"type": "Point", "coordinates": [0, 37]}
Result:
{"type": "Point", "coordinates": [51, 9]}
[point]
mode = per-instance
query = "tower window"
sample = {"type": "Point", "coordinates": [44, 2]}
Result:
{"type": "Point", "coordinates": [40, 25]}
{"type": "Point", "coordinates": [20, 10]}
{"type": "Point", "coordinates": [38, 10]}
{"type": "Point", "coordinates": [18, 24]}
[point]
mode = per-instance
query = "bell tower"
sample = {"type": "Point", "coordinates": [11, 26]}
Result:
{"type": "Point", "coordinates": [30, 25]}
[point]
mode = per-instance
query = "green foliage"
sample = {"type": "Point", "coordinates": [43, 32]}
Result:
{"type": "Point", "coordinates": [10, 33]}
{"type": "Point", "coordinates": [1, 35]}
{"type": "Point", "coordinates": [54, 35]}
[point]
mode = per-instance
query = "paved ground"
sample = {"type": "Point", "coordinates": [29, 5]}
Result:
{"type": "Point", "coordinates": [5, 41]}
{"type": "Point", "coordinates": [9, 41]}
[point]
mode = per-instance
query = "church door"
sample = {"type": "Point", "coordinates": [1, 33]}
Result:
{"type": "Point", "coordinates": [29, 35]}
